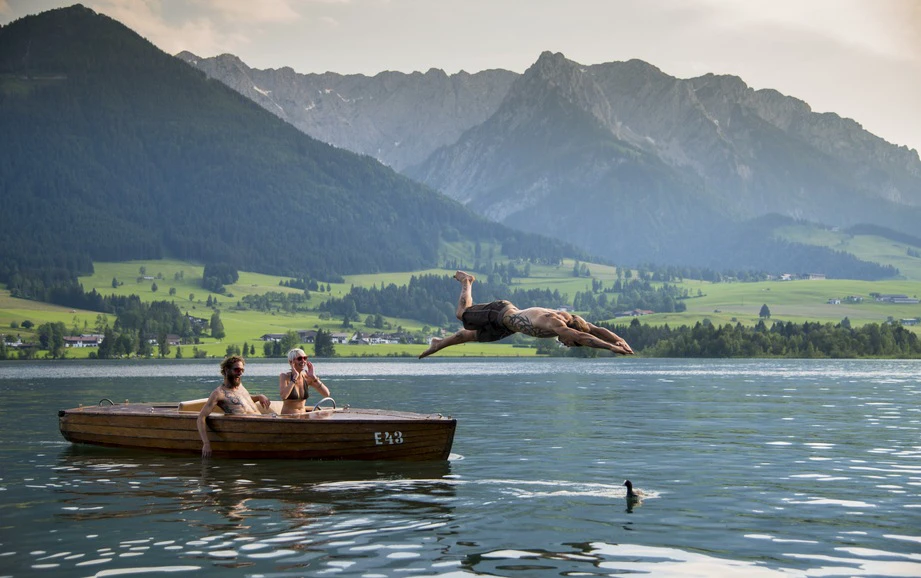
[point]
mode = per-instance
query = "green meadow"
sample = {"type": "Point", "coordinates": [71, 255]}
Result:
{"type": "Point", "coordinates": [720, 303]}
{"type": "Point", "coordinates": [793, 301]}
{"type": "Point", "coordinates": [866, 247]}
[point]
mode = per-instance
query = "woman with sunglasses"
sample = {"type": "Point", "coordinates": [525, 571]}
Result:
{"type": "Point", "coordinates": [292, 385]}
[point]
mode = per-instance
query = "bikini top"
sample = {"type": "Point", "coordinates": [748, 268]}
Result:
{"type": "Point", "coordinates": [294, 395]}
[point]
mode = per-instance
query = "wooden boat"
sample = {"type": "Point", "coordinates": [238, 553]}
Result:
{"type": "Point", "coordinates": [324, 433]}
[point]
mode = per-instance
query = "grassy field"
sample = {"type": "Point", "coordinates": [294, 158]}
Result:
{"type": "Point", "coordinates": [794, 301]}
{"type": "Point", "coordinates": [15, 311]}
{"type": "Point", "coordinates": [866, 247]}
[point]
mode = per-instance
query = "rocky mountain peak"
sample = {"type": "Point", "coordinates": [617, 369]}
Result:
{"type": "Point", "coordinates": [188, 57]}
{"type": "Point", "coordinates": [554, 76]}
{"type": "Point", "coordinates": [228, 59]}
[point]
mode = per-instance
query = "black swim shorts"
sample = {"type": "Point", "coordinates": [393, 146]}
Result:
{"type": "Point", "coordinates": [486, 320]}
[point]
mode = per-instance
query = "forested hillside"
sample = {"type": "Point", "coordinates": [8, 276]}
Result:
{"type": "Point", "coordinates": [114, 150]}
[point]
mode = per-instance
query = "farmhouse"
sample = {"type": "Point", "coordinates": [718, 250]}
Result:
{"type": "Point", "coordinates": [383, 338]}
{"type": "Point", "coordinates": [373, 339]}
{"type": "Point", "coordinates": [896, 298]}
{"type": "Point", "coordinates": [171, 339]}
{"type": "Point", "coordinates": [634, 313]}
{"type": "Point", "coordinates": [360, 339]}
{"type": "Point", "coordinates": [341, 338]}
{"type": "Point", "coordinates": [12, 341]}
{"type": "Point", "coordinates": [85, 340]}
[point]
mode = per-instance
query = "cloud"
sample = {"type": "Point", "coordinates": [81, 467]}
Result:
{"type": "Point", "coordinates": [904, 16]}
{"type": "Point", "coordinates": [184, 30]}
{"type": "Point", "coordinates": [247, 11]}
{"type": "Point", "coordinates": [207, 27]}
{"type": "Point", "coordinates": [845, 22]}
{"type": "Point", "coordinates": [5, 8]}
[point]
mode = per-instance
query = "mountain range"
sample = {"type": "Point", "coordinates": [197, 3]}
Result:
{"type": "Point", "coordinates": [114, 150]}
{"type": "Point", "coordinates": [621, 159]}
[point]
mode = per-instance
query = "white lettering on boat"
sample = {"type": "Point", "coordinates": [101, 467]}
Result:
{"type": "Point", "coordinates": [387, 438]}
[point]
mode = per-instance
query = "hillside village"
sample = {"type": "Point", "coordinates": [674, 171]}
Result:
{"type": "Point", "coordinates": [341, 338]}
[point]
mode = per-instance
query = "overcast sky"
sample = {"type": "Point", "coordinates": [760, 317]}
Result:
{"type": "Point", "coordinates": [858, 58]}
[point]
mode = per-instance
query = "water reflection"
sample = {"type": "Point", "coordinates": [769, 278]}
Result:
{"type": "Point", "coordinates": [89, 474]}
{"type": "Point", "coordinates": [240, 512]}
{"type": "Point", "coordinates": [606, 559]}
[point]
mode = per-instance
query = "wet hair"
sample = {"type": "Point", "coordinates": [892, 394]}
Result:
{"type": "Point", "coordinates": [228, 363]}
{"type": "Point", "coordinates": [579, 324]}
{"type": "Point", "coordinates": [294, 353]}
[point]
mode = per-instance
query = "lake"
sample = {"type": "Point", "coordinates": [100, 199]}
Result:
{"type": "Point", "coordinates": [750, 467]}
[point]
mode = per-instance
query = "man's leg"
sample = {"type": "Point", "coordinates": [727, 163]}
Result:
{"type": "Point", "coordinates": [462, 336]}
{"type": "Point", "coordinates": [466, 295]}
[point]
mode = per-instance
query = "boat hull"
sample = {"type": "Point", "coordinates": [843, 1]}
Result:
{"type": "Point", "coordinates": [332, 434]}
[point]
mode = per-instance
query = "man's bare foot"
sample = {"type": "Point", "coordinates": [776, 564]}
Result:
{"type": "Point", "coordinates": [432, 348]}
{"type": "Point", "coordinates": [462, 277]}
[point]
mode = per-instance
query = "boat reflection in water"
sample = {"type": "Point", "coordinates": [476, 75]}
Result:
{"type": "Point", "coordinates": [238, 506]}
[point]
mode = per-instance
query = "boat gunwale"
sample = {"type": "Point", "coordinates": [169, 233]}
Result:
{"type": "Point", "coordinates": [172, 410]}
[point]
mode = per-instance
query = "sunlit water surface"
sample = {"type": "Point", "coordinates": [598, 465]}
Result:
{"type": "Point", "coordinates": [754, 468]}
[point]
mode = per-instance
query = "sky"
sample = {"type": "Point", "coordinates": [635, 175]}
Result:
{"type": "Point", "coordinates": [860, 59]}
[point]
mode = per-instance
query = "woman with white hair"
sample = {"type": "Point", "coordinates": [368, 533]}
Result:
{"type": "Point", "coordinates": [292, 385]}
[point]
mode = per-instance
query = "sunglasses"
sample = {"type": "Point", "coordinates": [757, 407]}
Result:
{"type": "Point", "coordinates": [300, 359]}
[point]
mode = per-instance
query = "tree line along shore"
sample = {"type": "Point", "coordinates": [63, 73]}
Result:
{"type": "Point", "coordinates": [685, 318]}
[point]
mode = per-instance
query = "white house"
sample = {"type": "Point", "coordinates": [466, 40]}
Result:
{"type": "Point", "coordinates": [341, 338]}
{"type": "Point", "coordinates": [83, 340]}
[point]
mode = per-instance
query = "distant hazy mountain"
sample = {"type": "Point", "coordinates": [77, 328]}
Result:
{"type": "Point", "coordinates": [114, 150]}
{"type": "Point", "coordinates": [620, 158]}
{"type": "Point", "coordinates": [396, 118]}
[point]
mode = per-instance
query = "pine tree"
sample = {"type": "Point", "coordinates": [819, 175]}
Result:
{"type": "Point", "coordinates": [217, 327]}
{"type": "Point", "coordinates": [323, 344]}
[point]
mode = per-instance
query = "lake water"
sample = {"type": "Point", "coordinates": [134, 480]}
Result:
{"type": "Point", "coordinates": [751, 467]}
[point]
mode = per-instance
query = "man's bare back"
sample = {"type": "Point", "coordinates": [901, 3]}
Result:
{"type": "Point", "coordinates": [533, 321]}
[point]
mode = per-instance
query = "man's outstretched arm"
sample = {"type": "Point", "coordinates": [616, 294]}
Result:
{"type": "Point", "coordinates": [610, 337]}
{"type": "Point", "coordinates": [571, 337]}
